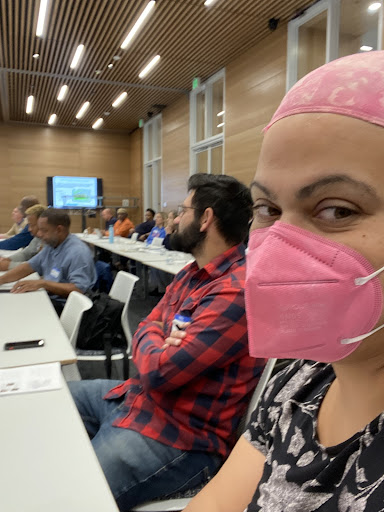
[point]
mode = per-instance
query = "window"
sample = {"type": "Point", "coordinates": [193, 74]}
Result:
{"type": "Point", "coordinates": [152, 164]}
{"type": "Point", "coordinates": [328, 30]}
{"type": "Point", "coordinates": [207, 123]}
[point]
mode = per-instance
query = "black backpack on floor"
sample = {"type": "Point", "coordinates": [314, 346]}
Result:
{"type": "Point", "coordinates": [101, 329]}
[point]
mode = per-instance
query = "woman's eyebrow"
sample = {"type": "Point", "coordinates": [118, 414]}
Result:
{"type": "Point", "coordinates": [308, 190]}
{"type": "Point", "coordinates": [264, 189]}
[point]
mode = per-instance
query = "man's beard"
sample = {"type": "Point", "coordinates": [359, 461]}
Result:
{"type": "Point", "coordinates": [189, 240]}
{"type": "Point", "coordinates": [52, 242]}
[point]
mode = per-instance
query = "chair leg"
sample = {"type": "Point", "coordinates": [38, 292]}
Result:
{"type": "Point", "coordinates": [126, 367]}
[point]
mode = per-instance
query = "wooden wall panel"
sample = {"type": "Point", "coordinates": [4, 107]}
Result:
{"type": "Point", "coordinates": [7, 195]}
{"type": "Point", "coordinates": [255, 85]}
{"type": "Point", "coordinates": [30, 154]}
{"type": "Point", "coordinates": [136, 173]}
{"type": "Point", "coordinates": [175, 153]}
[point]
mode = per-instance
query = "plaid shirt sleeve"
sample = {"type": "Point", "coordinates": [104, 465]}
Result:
{"type": "Point", "coordinates": [214, 338]}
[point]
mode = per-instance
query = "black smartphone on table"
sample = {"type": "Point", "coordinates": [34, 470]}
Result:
{"type": "Point", "coordinates": [15, 345]}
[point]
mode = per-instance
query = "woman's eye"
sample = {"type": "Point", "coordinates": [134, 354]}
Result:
{"type": "Point", "coordinates": [336, 213]}
{"type": "Point", "coordinates": [265, 212]}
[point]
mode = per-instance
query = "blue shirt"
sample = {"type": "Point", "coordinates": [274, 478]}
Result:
{"type": "Point", "coordinates": [156, 233]}
{"type": "Point", "coordinates": [112, 221]}
{"type": "Point", "coordinates": [22, 239]}
{"type": "Point", "coordinates": [69, 262]}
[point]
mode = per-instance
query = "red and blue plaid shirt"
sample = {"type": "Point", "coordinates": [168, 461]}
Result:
{"type": "Point", "coordinates": [193, 396]}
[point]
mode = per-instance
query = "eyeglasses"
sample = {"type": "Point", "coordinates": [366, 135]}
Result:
{"type": "Point", "coordinates": [181, 209]}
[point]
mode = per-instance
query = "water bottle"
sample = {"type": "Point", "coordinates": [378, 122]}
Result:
{"type": "Point", "coordinates": [178, 321]}
{"type": "Point", "coordinates": [111, 234]}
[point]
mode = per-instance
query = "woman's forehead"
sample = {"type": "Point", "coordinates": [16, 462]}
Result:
{"type": "Point", "coordinates": [308, 146]}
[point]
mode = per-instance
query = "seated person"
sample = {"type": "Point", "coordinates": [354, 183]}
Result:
{"type": "Point", "coordinates": [145, 227]}
{"type": "Point", "coordinates": [19, 223]}
{"type": "Point", "coordinates": [32, 215]}
{"type": "Point", "coordinates": [172, 425]}
{"type": "Point", "coordinates": [315, 442]}
{"type": "Point", "coordinates": [108, 218]}
{"type": "Point", "coordinates": [123, 225]}
{"type": "Point", "coordinates": [65, 263]}
{"type": "Point", "coordinates": [158, 279]}
{"type": "Point", "coordinates": [23, 238]}
{"type": "Point", "coordinates": [158, 231]}
{"type": "Point", "coordinates": [170, 228]}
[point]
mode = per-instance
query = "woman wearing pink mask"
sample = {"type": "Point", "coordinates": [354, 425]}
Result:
{"type": "Point", "coordinates": [314, 291]}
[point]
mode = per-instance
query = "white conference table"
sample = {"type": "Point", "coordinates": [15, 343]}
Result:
{"type": "Point", "coordinates": [159, 258]}
{"type": "Point", "coordinates": [30, 316]}
{"type": "Point", "coordinates": [47, 461]}
{"type": "Point", "coordinates": [162, 259]}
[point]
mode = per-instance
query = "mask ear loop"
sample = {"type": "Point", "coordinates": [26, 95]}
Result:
{"type": "Point", "coordinates": [348, 341]}
{"type": "Point", "coordinates": [363, 280]}
{"type": "Point", "coordinates": [359, 281]}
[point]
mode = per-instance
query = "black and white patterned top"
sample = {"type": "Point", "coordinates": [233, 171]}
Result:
{"type": "Point", "coordinates": [299, 473]}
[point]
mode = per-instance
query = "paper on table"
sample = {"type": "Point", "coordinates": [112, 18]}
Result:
{"type": "Point", "coordinates": [30, 379]}
{"type": "Point", "coordinates": [9, 286]}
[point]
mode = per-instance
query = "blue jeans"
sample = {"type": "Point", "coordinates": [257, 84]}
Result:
{"type": "Point", "coordinates": [137, 468]}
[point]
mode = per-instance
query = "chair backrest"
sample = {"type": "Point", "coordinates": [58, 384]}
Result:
{"type": "Point", "coordinates": [134, 237]}
{"type": "Point", "coordinates": [72, 314]}
{"type": "Point", "coordinates": [121, 290]}
{"type": "Point", "coordinates": [261, 385]}
{"type": "Point", "coordinates": [157, 243]}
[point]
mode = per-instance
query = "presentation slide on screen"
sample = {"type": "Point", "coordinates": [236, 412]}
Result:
{"type": "Point", "coordinates": [73, 192]}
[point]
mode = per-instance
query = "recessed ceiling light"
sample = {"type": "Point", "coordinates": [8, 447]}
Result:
{"type": "Point", "coordinates": [131, 34]}
{"type": "Point", "coordinates": [76, 57]}
{"type": "Point", "coordinates": [35, 55]}
{"type": "Point", "coordinates": [62, 92]}
{"type": "Point", "coordinates": [82, 111]}
{"type": "Point", "coordinates": [366, 48]}
{"type": "Point", "coordinates": [97, 123]}
{"type": "Point", "coordinates": [220, 125]}
{"type": "Point", "coordinates": [52, 119]}
{"type": "Point", "coordinates": [149, 66]}
{"type": "Point", "coordinates": [120, 99]}
{"type": "Point", "coordinates": [106, 113]}
{"type": "Point", "coordinates": [30, 103]}
{"type": "Point", "coordinates": [110, 66]}
{"type": "Point", "coordinates": [221, 113]}
{"type": "Point", "coordinates": [116, 57]}
{"type": "Point", "coordinates": [41, 18]}
{"type": "Point", "coordinates": [98, 71]}
{"type": "Point", "coordinates": [209, 2]}
{"type": "Point", "coordinates": [374, 7]}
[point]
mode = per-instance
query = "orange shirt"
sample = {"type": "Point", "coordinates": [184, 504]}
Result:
{"type": "Point", "coordinates": [121, 228]}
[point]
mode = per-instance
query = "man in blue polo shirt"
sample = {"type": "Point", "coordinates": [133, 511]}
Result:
{"type": "Point", "coordinates": [65, 263]}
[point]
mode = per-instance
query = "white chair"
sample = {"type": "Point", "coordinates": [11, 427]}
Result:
{"type": "Point", "coordinates": [70, 319]}
{"type": "Point", "coordinates": [121, 290]}
{"type": "Point", "coordinates": [179, 504]}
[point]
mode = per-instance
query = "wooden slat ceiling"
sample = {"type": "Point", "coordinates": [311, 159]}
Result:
{"type": "Point", "coordinates": [191, 39]}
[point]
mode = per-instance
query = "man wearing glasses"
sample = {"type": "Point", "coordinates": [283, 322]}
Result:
{"type": "Point", "coordinates": [170, 428]}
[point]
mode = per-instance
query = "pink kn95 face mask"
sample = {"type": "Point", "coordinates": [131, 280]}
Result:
{"type": "Point", "coordinates": [308, 297]}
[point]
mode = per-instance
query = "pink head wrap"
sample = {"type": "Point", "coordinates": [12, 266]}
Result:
{"type": "Point", "coordinates": [351, 86]}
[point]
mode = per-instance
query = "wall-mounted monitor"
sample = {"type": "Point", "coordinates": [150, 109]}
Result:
{"type": "Point", "coordinates": [73, 192]}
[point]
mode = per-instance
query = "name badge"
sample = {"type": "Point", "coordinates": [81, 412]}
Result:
{"type": "Point", "coordinates": [55, 272]}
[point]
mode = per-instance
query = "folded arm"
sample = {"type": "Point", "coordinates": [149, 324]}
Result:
{"type": "Point", "coordinates": [215, 337]}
